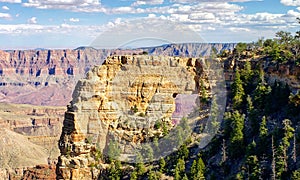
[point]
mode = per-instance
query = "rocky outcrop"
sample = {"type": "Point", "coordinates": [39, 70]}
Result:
{"type": "Point", "coordinates": [123, 100]}
{"type": "Point", "coordinates": [51, 75]}
{"type": "Point", "coordinates": [28, 173]}
{"type": "Point", "coordinates": [28, 136]}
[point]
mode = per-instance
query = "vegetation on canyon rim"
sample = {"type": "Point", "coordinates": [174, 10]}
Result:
{"type": "Point", "coordinates": [259, 137]}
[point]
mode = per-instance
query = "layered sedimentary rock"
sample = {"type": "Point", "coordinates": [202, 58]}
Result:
{"type": "Point", "coordinates": [122, 100]}
{"type": "Point", "coordinates": [28, 136]}
{"type": "Point", "coordinates": [51, 75]}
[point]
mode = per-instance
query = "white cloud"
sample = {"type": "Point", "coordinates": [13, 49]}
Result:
{"type": "Point", "coordinates": [5, 8]}
{"type": "Point", "coordinates": [201, 1]}
{"type": "Point", "coordinates": [122, 10]}
{"type": "Point", "coordinates": [202, 16]}
{"type": "Point", "coordinates": [74, 5]}
{"type": "Point", "coordinates": [293, 13]}
{"type": "Point", "coordinates": [11, 1]}
{"type": "Point", "coordinates": [151, 16]}
{"type": "Point", "coordinates": [238, 29]}
{"type": "Point", "coordinates": [144, 2]}
{"type": "Point", "coordinates": [290, 2]}
{"type": "Point", "coordinates": [5, 15]}
{"type": "Point", "coordinates": [32, 20]}
{"type": "Point", "coordinates": [74, 20]}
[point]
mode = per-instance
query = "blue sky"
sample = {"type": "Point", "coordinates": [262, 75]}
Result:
{"type": "Point", "coordinates": [29, 24]}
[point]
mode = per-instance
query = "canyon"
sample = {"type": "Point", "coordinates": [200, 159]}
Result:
{"type": "Point", "coordinates": [37, 85]}
{"type": "Point", "coordinates": [51, 75]}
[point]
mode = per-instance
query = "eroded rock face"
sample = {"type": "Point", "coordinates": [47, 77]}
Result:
{"type": "Point", "coordinates": [52, 74]}
{"type": "Point", "coordinates": [122, 100]}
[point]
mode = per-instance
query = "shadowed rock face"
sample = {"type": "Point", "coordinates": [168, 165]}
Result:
{"type": "Point", "coordinates": [122, 100]}
{"type": "Point", "coordinates": [48, 77]}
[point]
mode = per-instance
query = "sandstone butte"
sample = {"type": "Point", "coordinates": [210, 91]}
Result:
{"type": "Point", "coordinates": [123, 99]}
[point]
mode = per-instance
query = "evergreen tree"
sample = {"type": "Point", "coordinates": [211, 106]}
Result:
{"type": "Point", "coordinates": [263, 130]}
{"type": "Point", "coordinates": [237, 91]}
{"type": "Point", "coordinates": [296, 175]}
{"type": "Point", "coordinates": [253, 169]}
{"type": "Point", "coordinates": [183, 152]}
{"type": "Point", "coordinates": [288, 135]}
{"type": "Point", "coordinates": [200, 169]}
{"type": "Point", "coordinates": [280, 161]}
{"type": "Point", "coordinates": [197, 169]}
{"type": "Point", "coordinates": [247, 77]}
{"type": "Point", "coordinates": [193, 172]}
{"type": "Point", "coordinates": [134, 175]}
{"type": "Point", "coordinates": [162, 165]}
{"type": "Point", "coordinates": [213, 124]}
{"type": "Point", "coordinates": [204, 96]}
{"type": "Point", "coordinates": [140, 167]}
{"type": "Point", "coordinates": [185, 177]}
{"type": "Point", "coordinates": [115, 170]}
{"type": "Point", "coordinates": [236, 135]}
{"type": "Point", "coordinates": [251, 117]}
{"type": "Point", "coordinates": [152, 175]}
{"type": "Point", "coordinates": [179, 169]}
{"type": "Point", "coordinates": [261, 93]}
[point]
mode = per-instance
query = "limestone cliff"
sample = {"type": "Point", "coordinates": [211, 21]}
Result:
{"type": "Point", "coordinates": [122, 100]}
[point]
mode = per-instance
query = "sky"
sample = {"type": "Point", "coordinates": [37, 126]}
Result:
{"type": "Point", "coordinates": [57, 24]}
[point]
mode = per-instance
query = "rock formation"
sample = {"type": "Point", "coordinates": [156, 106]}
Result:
{"type": "Point", "coordinates": [122, 100]}
{"type": "Point", "coordinates": [28, 136]}
{"type": "Point", "coordinates": [51, 75]}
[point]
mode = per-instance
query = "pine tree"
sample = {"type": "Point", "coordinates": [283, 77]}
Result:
{"type": "Point", "coordinates": [251, 117]}
{"type": "Point", "coordinates": [115, 170]}
{"type": "Point", "coordinates": [162, 165]}
{"type": "Point", "coordinates": [197, 169]}
{"type": "Point", "coordinates": [140, 167]}
{"type": "Point", "coordinates": [288, 134]}
{"type": "Point", "coordinates": [183, 152]}
{"type": "Point", "coordinates": [261, 94]}
{"type": "Point", "coordinates": [134, 175]}
{"type": "Point", "coordinates": [179, 169]}
{"type": "Point", "coordinates": [185, 177]}
{"type": "Point", "coordinates": [236, 134]}
{"type": "Point", "coordinates": [247, 76]}
{"type": "Point", "coordinates": [204, 96]}
{"type": "Point", "coordinates": [253, 167]}
{"type": "Point", "coordinates": [200, 168]}
{"type": "Point", "coordinates": [263, 130]}
{"type": "Point", "coordinates": [152, 175]}
{"type": "Point", "coordinates": [296, 175]}
{"type": "Point", "coordinates": [238, 92]}
{"type": "Point", "coordinates": [193, 172]}
{"type": "Point", "coordinates": [213, 124]}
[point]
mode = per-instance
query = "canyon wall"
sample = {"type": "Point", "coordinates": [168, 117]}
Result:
{"type": "Point", "coordinates": [48, 77]}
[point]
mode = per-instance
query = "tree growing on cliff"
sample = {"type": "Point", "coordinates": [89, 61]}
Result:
{"type": "Point", "coordinates": [235, 121]}
{"type": "Point", "coordinates": [238, 92]}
